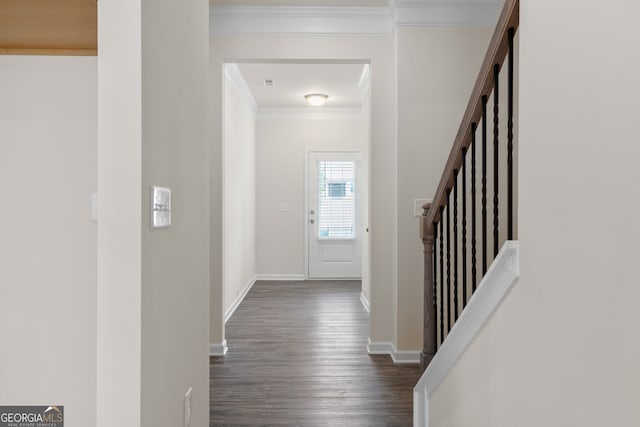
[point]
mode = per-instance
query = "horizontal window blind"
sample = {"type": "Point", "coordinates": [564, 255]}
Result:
{"type": "Point", "coordinates": [337, 204]}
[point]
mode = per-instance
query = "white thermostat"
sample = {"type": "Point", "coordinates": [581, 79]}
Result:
{"type": "Point", "coordinates": [160, 207]}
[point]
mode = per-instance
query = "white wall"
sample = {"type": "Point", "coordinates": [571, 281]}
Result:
{"type": "Point", "coordinates": [48, 128]}
{"type": "Point", "coordinates": [562, 350]}
{"type": "Point", "coordinates": [239, 193]}
{"type": "Point", "coordinates": [377, 49]}
{"type": "Point", "coordinates": [280, 147]}
{"type": "Point", "coordinates": [175, 261]}
{"type": "Point", "coordinates": [152, 284]}
{"type": "Point", "coordinates": [119, 226]}
{"type": "Point", "coordinates": [437, 68]}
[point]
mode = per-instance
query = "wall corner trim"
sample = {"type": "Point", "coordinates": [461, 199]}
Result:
{"type": "Point", "coordinates": [493, 288]}
{"type": "Point", "coordinates": [218, 349]}
{"type": "Point", "coordinates": [365, 303]}
{"type": "Point", "coordinates": [235, 77]}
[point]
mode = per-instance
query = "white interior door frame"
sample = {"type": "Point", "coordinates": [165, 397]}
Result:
{"type": "Point", "coordinates": [307, 155]}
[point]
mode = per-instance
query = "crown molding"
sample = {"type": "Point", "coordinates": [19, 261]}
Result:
{"type": "Point", "coordinates": [233, 74]}
{"type": "Point", "coordinates": [482, 13]}
{"type": "Point", "coordinates": [304, 20]}
{"type": "Point", "coordinates": [308, 113]}
{"type": "Point", "coordinates": [279, 20]}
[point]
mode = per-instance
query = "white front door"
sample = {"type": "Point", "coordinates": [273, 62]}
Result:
{"type": "Point", "coordinates": [334, 215]}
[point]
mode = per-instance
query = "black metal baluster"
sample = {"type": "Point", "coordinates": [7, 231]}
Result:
{"type": "Point", "coordinates": [464, 227]}
{"type": "Point", "coordinates": [455, 244]}
{"type": "Point", "coordinates": [510, 141]}
{"type": "Point", "coordinates": [496, 111]}
{"type": "Point", "coordinates": [441, 275]}
{"type": "Point", "coordinates": [473, 207]}
{"type": "Point", "coordinates": [484, 184]}
{"type": "Point", "coordinates": [448, 262]}
{"type": "Point", "coordinates": [435, 271]}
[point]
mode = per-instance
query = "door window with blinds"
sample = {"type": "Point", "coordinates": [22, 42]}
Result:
{"type": "Point", "coordinates": [337, 199]}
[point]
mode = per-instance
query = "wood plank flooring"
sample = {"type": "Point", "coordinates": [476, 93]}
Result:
{"type": "Point", "coordinates": [297, 357]}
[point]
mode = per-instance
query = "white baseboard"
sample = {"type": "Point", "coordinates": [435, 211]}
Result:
{"type": "Point", "coordinates": [218, 349]}
{"type": "Point", "coordinates": [406, 356]}
{"type": "Point", "coordinates": [501, 276]}
{"type": "Point", "coordinates": [379, 347]}
{"type": "Point", "coordinates": [232, 308]}
{"type": "Point", "coordinates": [280, 277]}
{"type": "Point", "coordinates": [365, 302]}
{"type": "Point", "coordinates": [398, 356]}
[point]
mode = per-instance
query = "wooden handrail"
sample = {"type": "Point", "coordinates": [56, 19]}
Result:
{"type": "Point", "coordinates": [496, 53]}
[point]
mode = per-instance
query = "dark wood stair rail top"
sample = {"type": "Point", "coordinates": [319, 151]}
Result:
{"type": "Point", "coordinates": [496, 54]}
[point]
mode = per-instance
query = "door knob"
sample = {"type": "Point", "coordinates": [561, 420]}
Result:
{"type": "Point", "coordinates": [311, 221]}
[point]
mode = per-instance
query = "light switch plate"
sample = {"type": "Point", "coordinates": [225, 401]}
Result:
{"type": "Point", "coordinates": [417, 206]}
{"type": "Point", "coordinates": [160, 207]}
{"type": "Point", "coordinates": [285, 207]}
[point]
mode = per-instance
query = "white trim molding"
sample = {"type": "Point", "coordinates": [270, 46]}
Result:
{"type": "Point", "coordinates": [365, 302]}
{"type": "Point", "coordinates": [405, 356]}
{"type": "Point", "coordinates": [308, 113]}
{"type": "Point", "coordinates": [218, 349]}
{"type": "Point", "coordinates": [235, 77]}
{"type": "Point", "coordinates": [311, 20]}
{"type": "Point", "coordinates": [389, 348]}
{"type": "Point", "coordinates": [260, 20]}
{"type": "Point", "coordinates": [380, 347]}
{"type": "Point", "coordinates": [440, 13]}
{"type": "Point", "coordinates": [280, 277]}
{"type": "Point", "coordinates": [364, 82]}
{"type": "Point", "coordinates": [493, 288]}
{"type": "Point", "coordinates": [232, 308]}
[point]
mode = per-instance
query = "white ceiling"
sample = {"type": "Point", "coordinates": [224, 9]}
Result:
{"type": "Point", "coordinates": [293, 81]}
{"type": "Point", "coordinates": [293, 3]}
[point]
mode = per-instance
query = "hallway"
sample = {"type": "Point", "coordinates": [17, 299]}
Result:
{"type": "Point", "coordinates": [297, 356]}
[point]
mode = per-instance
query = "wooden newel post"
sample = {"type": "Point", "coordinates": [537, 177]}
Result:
{"type": "Point", "coordinates": [429, 346]}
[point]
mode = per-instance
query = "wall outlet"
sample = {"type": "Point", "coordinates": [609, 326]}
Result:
{"type": "Point", "coordinates": [285, 207]}
{"type": "Point", "coordinates": [417, 206]}
{"type": "Point", "coordinates": [187, 407]}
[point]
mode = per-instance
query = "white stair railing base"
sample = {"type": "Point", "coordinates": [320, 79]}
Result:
{"type": "Point", "coordinates": [494, 286]}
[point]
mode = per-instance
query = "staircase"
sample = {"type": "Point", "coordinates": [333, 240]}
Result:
{"type": "Point", "coordinates": [469, 230]}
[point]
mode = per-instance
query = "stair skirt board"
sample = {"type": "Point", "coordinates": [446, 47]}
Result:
{"type": "Point", "coordinates": [398, 356]}
{"type": "Point", "coordinates": [501, 276]}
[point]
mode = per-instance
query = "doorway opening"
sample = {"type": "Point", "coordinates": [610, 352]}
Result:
{"type": "Point", "coordinates": [334, 219]}
{"type": "Point", "coordinates": [269, 129]}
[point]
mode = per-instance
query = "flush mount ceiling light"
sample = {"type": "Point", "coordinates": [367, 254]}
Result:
{"type": "Point", "coordinates": [316, 99]}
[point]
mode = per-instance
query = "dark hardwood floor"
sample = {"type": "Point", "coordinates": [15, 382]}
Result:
{"type": "Point", "coordinates": [297, 357]}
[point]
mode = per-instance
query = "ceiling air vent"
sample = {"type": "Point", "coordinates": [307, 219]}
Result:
{"type": "Point", "coordinates": [269, 82]}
